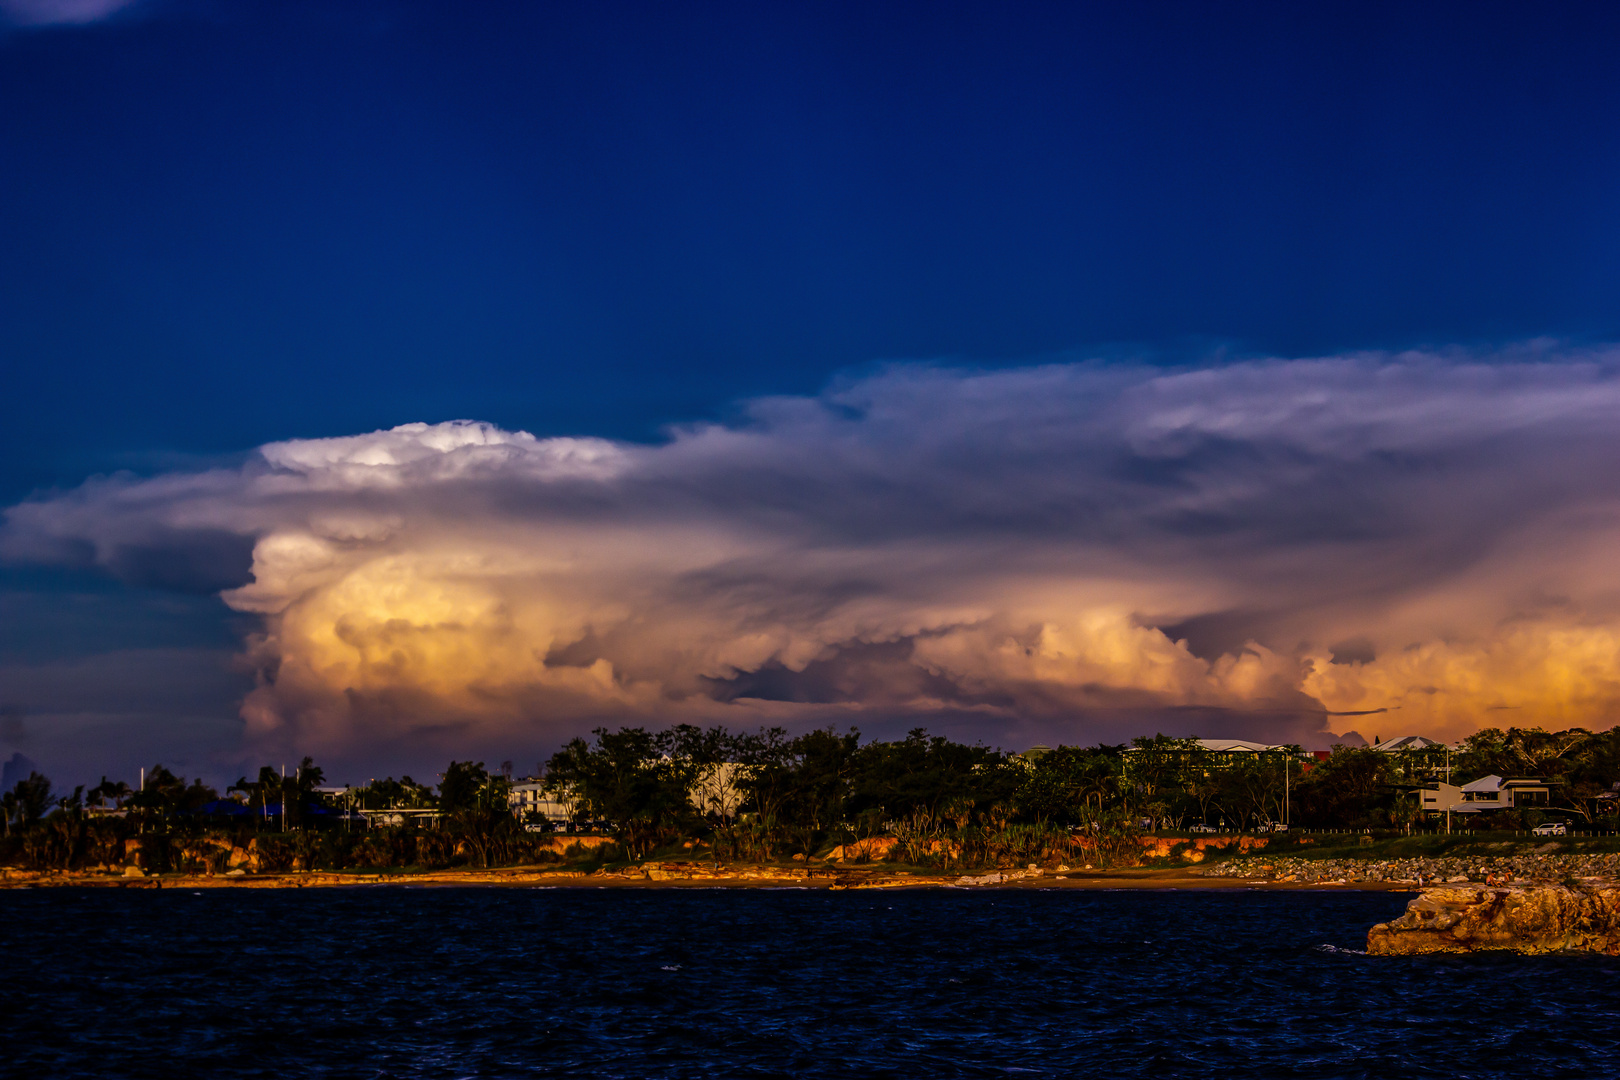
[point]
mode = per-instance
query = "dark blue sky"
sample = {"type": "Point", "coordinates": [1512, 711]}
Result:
{"type": "Point", "coordinates": [222, 224]}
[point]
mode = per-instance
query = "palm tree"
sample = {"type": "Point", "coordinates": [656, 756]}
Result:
{"type": "Point", "coordinates": [117, 791]}
{"type": "Point", "coordinates": [31, 798]}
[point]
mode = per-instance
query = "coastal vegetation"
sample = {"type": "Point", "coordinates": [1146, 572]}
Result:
{"type": "Point", "coordinates": [765, 796]}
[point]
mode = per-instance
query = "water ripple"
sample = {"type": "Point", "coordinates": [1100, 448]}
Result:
{"type": "Point", "coordinates": [408, 983]}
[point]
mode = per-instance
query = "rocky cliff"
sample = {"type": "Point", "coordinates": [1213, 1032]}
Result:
{"type": "Point", "coordinates": [1529, 919]}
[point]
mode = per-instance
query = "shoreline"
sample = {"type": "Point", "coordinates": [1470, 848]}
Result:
{"type": "Point", "coordinates": [835, 879]}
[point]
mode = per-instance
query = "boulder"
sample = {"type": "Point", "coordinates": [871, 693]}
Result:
{"type": "Point", "coordinates": [983, 879]}
{"type": "Point", "coordinates": [871, 848]}
{"type": "Point", "coordinates": [136, 853]}
{"type": "Point", "coordinates": [1527, 919]}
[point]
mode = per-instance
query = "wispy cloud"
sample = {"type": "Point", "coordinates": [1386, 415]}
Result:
{"type": "Point", "coordinates": [1242, 549]}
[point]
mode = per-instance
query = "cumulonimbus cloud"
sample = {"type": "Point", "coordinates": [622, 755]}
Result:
{"type": "Point", "coordinates": [1255, 545]}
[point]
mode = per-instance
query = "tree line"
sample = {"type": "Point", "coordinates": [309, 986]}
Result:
{"type": "Point", "coordinates": [768, 795]}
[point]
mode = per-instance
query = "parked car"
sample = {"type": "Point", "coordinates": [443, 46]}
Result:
{"type": "Point", "coordinates": [1552, 828]}
{"type": "Point", "coordinates": [1203, 828]}
{"type": "Point", "coordinates": [1271, 826]}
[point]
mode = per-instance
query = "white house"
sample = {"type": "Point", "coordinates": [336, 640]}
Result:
{"type": "Point", "coordinates": [530, 797]}
{"type": "Point", "coordinates": [1487, 793]}
{"type": "Point", "coordinates": [718, 788]}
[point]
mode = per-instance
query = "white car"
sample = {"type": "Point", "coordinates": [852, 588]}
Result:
{"type": "Point", "coordinates": [1203, 828]}
{"type": "Point", "coordinates": [1552, 828]}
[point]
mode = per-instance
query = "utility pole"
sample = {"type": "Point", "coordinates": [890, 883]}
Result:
{"type": "Point", "coordinates": [284, 797]}
{"type": "Point", "coordinates": [1287, 770]}
{"type": "Point", "coordinates": [1448, 784]}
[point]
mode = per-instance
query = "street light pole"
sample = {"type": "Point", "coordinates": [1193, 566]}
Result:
{"type": "Point", "coordinates": [1287, 772]}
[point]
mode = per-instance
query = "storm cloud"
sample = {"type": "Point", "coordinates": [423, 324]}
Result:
{"type": "Point", "coordinates": [1079, 550]}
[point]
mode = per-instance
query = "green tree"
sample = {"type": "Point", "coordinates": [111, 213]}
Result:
{"type": "Point", "coordinates": [921, 784]}
{"type": "Point", "coordinates": [1593, 769]}
{"type": "Point", "coordinates": [113, 791]}
{"type": "Point", "coordinates": [461, 786]}
{"type": "Point", "coordinates": [719, 769]}
{"type": "Point", "coordinates": [1351, 789]}
{"type": "Point", "coordinates": [27, 802]}
{"type": "Point", "coordinates": [1176, 772]}
{"type": "Point", "coordinates": [271, 792]}
{"type": "Point", "coordinates": [797, 788]}
{"type": "Point", "coordinates": [401, 794]}
{"type": "Point", "coordinates": [1069, 786]}
{"type": "Point", "coordinates": [629, 779]}
{"type": "Point", "coordinates": [477, 808]}
{"type": "Point", "coordinates": [1252, 788]}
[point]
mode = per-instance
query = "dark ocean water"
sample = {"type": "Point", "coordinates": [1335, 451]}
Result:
{"type": "Point", "coordinates": [399, 982]}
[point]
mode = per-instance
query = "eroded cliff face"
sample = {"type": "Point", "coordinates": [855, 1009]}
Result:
{"type": "Point", "coordinates": [1528, 919]}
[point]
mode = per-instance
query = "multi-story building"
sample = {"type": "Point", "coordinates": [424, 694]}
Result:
{"type": "Point", "coordinates": [1487, 793]}
{"type": "Point", "coordinates": [533, 805]}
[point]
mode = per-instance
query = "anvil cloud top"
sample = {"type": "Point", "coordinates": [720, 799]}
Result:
{"type": "Point", "coordinates": [1058, 372]}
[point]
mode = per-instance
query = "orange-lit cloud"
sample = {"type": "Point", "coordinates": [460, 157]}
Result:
{"type": "Point", "coordinates": [1092, 550]}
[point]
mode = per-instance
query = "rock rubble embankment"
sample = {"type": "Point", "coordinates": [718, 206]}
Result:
{"type": "Point", "coordinates": [1523, 869]}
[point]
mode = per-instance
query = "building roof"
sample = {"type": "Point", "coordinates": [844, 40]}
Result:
{"type": "Point", "coordinates": [1408, 742]}
{"type": "Point", "coordinates": [1496, 783]}
{"type": "Point", "coordinates": [1223, 746]}
{"type": "Point", "coordinates": [1227, 746]}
